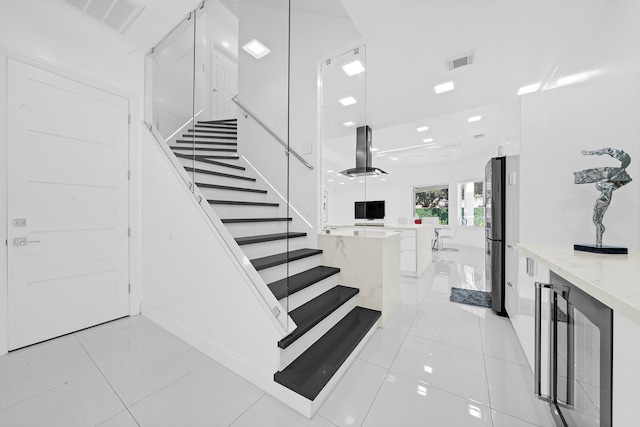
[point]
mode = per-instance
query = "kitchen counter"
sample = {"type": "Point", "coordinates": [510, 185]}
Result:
{"type": "Point", "coordinates": [612, 279]}
{"type": "Point", "coordinates": [415, 242]}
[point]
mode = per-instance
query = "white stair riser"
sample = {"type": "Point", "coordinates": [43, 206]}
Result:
{"type": "Point", "coordinates": [217, 194]}
{"type": "Point", "coordinates": [221, 180]}
{"type": "Point", "coordinates": [244, 229]}
{"type": "Point", "coordinates": [208, 166]}
{"type": "Point", "coordinates": [259, 250]}
{"type": "Point", "coordinates": [307, 294]}
{"type": "Point", "coordinates": [205, 143]}
{"type": "Point", "coordinates": [208, 151]}
{"type": "Point", "coordinates": [292, 352]}
{"type": "Point", "coordinates": [244, 211]}
{"type": "Point", "coordinates": [273, 274]}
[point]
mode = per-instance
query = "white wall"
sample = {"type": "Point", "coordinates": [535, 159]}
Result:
{"type": "Point", "coordinates": [263, 87]}
{"type": "Point", "coordinates": [396, 191]}
{"type": "Point", "coordinates": [44, 34]}
{"type": "Point", "coordinates": [556, 125]}
{"type": "Point", "coordinates": [192, 284]}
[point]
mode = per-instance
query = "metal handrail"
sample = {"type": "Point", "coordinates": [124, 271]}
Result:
{"type": "Point", "coordinates": [265, 127]}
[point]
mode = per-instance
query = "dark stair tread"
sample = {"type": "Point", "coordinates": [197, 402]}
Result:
{"type": "Point", "coordinates": [213, 156]}
{"type": "Point", "coordinates": [228, 131]}
{"type": "Point", "coordinates": [217, 126]}
{"type": "Point", "coordinates": [244, 220]}
{"type": "Point", "coordinates": [204, 159]}
{"type": "Point", "coordinates": [283, 258]}
{"type": "Point", "coordinates": [268, 238]}
{"type": "Point", "coordinates": [220, 174]}
{"type": "Point", "coordinates": [227, 150]}
{"type": "Point", "coordinates": [230, 188]}
{"type": "Point", "coordinates": [310, 373]}
{"type": "Point", "coordinates": [190, 141]}
{"type": "Point", "coordinates": [239, 203]}
{"type": "Point", "coordinates": [192, 136]}
{"type": "Point", "coordinates": [218, 121]}
{"type": "Point", "coordinates": [292, 284]}
{"type": "Point", "coordinates": [313, 312]}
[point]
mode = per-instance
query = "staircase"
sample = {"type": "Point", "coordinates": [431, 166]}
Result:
{"type": "Point", "coordinates": [331, 328]}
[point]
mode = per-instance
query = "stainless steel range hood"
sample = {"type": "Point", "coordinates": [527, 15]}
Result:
{"type": "Point", "coordinates": [363, 155]}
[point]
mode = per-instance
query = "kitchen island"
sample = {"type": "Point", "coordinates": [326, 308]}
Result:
{"type": "Point", "coordinates": [368, 260]}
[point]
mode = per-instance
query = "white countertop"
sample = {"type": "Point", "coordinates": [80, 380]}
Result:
{"type": "Point", "coordinates": [612, 279]}
{"type": "Point", "coordinates": [376, 232]}
{"type": "Point", "coordinates": [379, 227]}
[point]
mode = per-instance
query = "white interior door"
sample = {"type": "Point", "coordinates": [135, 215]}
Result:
{"type": "Point", "coordinates": [68, 202]}
{"type": "Point", "coordinates": [225, 83]}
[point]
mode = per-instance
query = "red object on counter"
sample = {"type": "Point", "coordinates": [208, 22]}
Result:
{"type": "Point", "coordinates": [418, 221]}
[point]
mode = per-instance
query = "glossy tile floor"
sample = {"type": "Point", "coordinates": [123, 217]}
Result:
{"type": "Point", "coordinates": [436, 363]}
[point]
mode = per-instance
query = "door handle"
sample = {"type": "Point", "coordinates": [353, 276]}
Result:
{"type": "Point", "coordinates": [22, 241]}
{"type": "Point", "coordinates": [537, 367]}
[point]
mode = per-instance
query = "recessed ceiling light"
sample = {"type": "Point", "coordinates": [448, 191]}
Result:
{"type": "Point", "coordinates": [428, 140]}
{"type": "Point", "coordinates": [342, 183]}
{"type": "Point", "coordinates": [353, 68]}
{"type": "Point", "coordinates": [330, 171]}
{"type": "Point", "coordinates": [348, 124]}
{"type": "Point", "coordinates": [393, 158]}
{"type": "Point", "coordinates": [360, 182]}
{"type": "Point", "coordinates": [474, 119]}
{"type": "Point", "coordinates": [529, 89]}
{"type": "Point", "coordinates": [423, 128]}
{"type": "Point", "coordinates": [330, 180]}
{"type": "Point", "coordinates": [349, 100]}
{"type": "Point", "coordinates": [383, 179]}
{"type": "Point", "coordinates": [350, 178]}
{"type": "Point", "coordinates": [444, 87]}
{"type": "Point", "coordinates": [374, 150]}
{"type": "Point", "coordinates": [256, 49]}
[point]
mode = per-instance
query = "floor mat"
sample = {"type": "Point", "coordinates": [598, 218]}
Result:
{"type": "Point", "coordinates": [471, 297]}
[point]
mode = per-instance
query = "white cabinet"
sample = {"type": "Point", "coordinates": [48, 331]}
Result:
{"type": "Point", "coordinates": [511, 301]}
{"type": "Point", "coordinates": [407, 261]}
{"type": "Point", "coordinates": [529, 272]}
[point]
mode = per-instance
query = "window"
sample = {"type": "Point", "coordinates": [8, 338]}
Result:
{"type": "Point", "coordinates": [471, 203]}
{"type": "Point", "coordinates": [432, 201]}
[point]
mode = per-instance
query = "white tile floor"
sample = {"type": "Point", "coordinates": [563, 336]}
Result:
{"type": "Point", "coordinates": [436, 363]}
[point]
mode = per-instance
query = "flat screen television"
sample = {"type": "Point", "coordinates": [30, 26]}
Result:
{"type": "Point", "coordinates": [369, 210]}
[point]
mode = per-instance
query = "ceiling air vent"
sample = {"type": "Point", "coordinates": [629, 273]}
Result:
{"type": "Point", "coordinates": [480, 135]}
{"type": "Point", "coordinates": [460, 61]}
{"type": "Point", "coordinates": [117, 14]}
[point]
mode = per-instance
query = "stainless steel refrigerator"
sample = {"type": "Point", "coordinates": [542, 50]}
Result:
{"type": "Point", "coordinates": [494, 211]}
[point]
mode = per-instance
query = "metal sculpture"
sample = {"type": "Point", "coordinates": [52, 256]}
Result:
{"type": "Point", "coordinates": [607, 180]}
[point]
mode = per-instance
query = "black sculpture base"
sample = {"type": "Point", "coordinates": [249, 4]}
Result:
{"type": "Point", "coordinates": [611, 250]}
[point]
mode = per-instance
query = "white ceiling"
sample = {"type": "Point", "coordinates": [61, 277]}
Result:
{"type": "Point", "coordinates": [515, 43]}
{"type": "Point", "coordinates": [408, 44]}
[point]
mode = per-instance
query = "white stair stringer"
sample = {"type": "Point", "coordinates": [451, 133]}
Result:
{"type": "Point", "coordinates": [293, 351]}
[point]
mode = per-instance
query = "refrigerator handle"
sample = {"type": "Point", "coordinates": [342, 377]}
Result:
{"type": "Point", "coordinates": [537, 368]}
